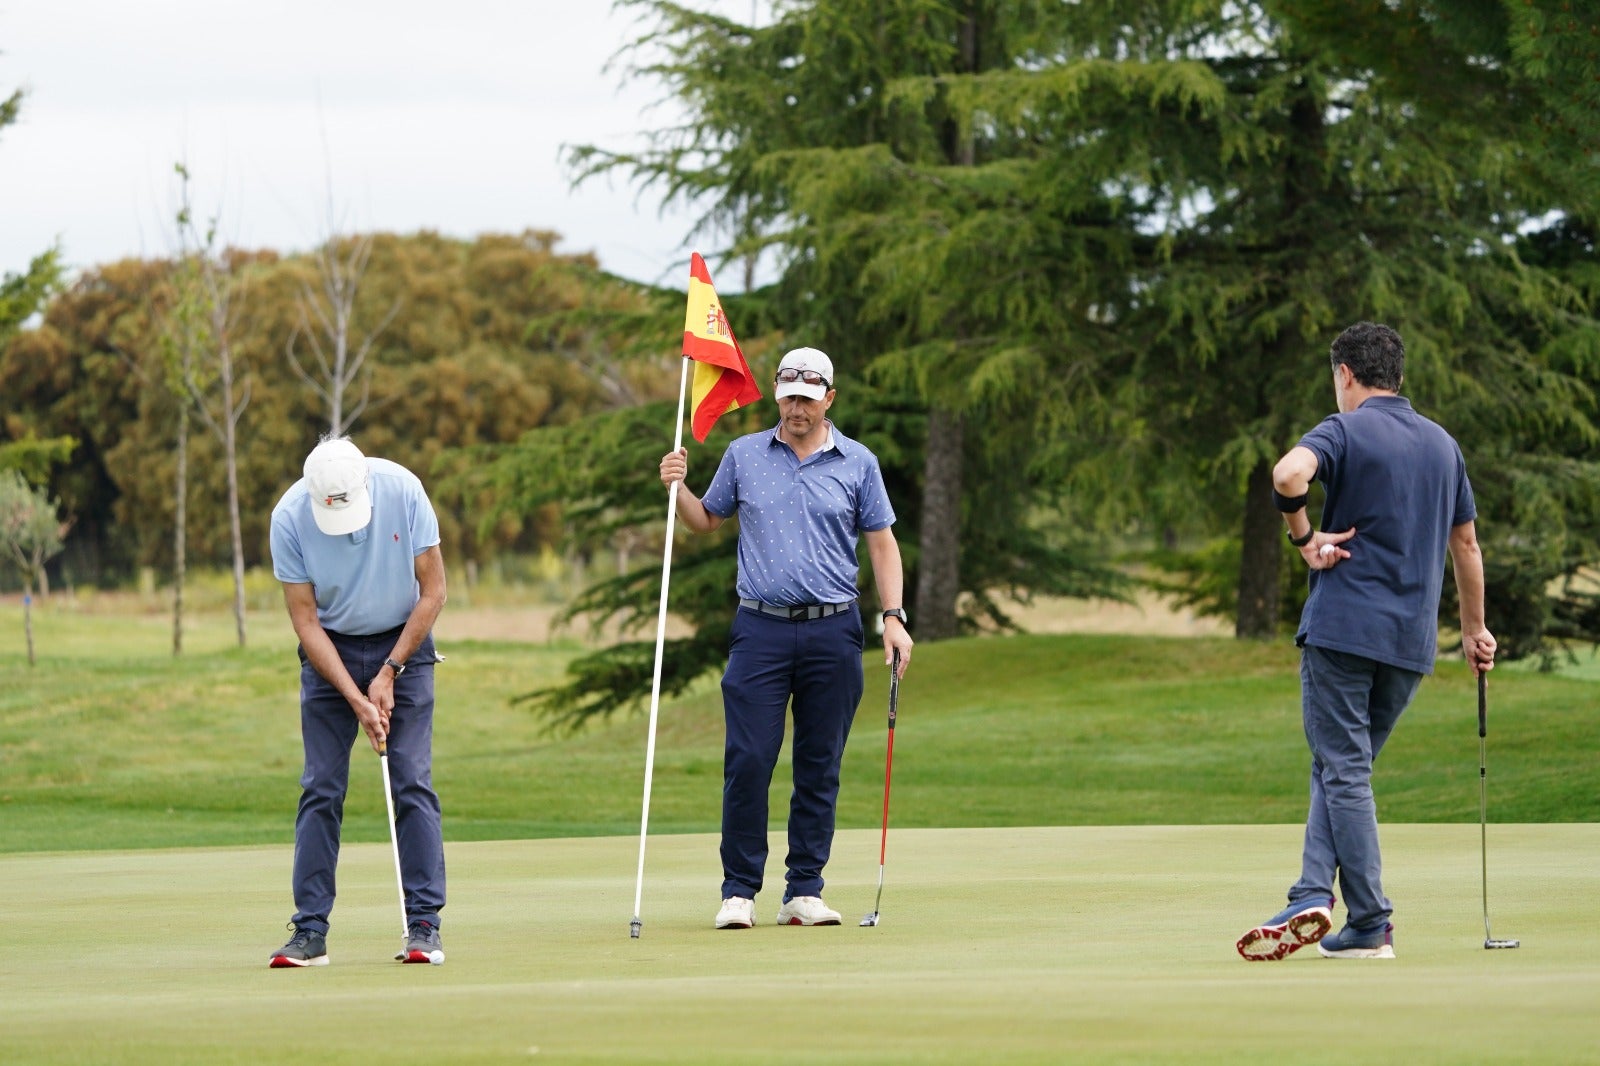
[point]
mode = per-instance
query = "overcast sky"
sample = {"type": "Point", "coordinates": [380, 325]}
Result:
{"type": "Point", "coordinates": [415, 114]}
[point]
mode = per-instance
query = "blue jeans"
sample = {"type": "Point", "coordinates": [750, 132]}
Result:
{"type": "Point", "coordinates": [818, 663]}
{"type": "Point", "coordinates": [328, 730]}
{"type": "Point", "coordinates": [1350, 705]}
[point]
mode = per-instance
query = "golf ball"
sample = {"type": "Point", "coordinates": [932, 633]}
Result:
{"type": "Point", "coordinates": [1328, 549]}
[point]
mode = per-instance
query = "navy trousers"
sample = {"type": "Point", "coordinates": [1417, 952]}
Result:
{"type": "Point", "coordinates": [817, 664]}
{"type": "Point", "coordinates": [328, 730]}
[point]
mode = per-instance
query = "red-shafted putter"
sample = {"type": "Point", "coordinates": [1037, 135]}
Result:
{"type": "Point", "coordinates": [888, 766]}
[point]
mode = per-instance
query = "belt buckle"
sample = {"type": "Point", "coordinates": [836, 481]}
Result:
{"type": "Point", "coordinates": [799, 614]}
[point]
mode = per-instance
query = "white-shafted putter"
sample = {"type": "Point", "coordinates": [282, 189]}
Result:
{"type": "Point", "coordinates": [888, 766]}
{"type": "Point", "coordinates": [403, 955]}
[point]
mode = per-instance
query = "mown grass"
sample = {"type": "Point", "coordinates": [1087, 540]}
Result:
{"type": "Point", "coordinates": [1088, 945]}
{"type": "Point", "coordinates": [111, 742]}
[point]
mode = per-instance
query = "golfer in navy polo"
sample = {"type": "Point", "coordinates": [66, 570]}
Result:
{"type": "Point", "coordinates": [804, 493]}
{"type": "Point", "coordinates": [1397, 500]}
{"type": "Point", "coordinates": [356, 544]}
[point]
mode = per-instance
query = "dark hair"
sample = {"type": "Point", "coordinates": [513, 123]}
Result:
{"type": "Point", "coordinates": [1375, 355]}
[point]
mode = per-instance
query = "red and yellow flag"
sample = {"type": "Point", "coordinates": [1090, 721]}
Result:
{"type": "Point", "coordinates": [722, 379]}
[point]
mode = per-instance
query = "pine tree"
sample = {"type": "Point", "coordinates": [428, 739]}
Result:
{"type": "Point", "coordinates": [933, 236]}
{"type": "Point", "coordinates": [1326, 176]}
{"type": "Point", "coordinates": [1097, 253]}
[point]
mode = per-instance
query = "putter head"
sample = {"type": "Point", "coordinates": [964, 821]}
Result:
{"type": "Point", "coordinates": [871, 919]}
{"type": "Point", "coordinates": [1490, 945]}
{"type": "Point", "coordinates": [633, 929]}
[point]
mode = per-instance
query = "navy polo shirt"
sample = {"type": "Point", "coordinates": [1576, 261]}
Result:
{"type": "Point", "coordinates": [1400, 480]}
{"type": "Point", "coordinates": [799, 521]}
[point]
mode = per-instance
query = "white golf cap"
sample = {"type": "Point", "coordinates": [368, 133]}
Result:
{"type": "Point", "coordinates": [805, 359]}
{"type": "Point", "coordinates": [336, 476]}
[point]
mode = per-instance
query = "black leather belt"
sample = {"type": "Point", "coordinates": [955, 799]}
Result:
{"type": "Point", "coordinates": [802, 613]}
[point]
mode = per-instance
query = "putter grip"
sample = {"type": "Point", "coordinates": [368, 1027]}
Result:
{"type": "Point", "coordinates": [894, 689]}
{"type": "Point", "coordinates": [1483, 705]}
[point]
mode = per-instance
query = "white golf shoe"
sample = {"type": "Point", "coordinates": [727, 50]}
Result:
{"type": "Point", "coordinates": [807, 910]}
{"type": "Point", "coordinates": [737, 913]}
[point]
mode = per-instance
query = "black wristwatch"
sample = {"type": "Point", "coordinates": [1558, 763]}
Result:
{"type": "Point", "coordinates": [1301, 542]}
{"type": "Point", "coordinates": [398, 668]}
{"type": "Point", "coordinates": [896, 612]}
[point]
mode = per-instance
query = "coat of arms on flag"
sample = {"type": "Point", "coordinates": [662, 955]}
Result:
{"type": "Point", "coordinates": [722, 378]}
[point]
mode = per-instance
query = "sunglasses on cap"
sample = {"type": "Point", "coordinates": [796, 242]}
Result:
{"type": "Point", "coordinates": [810, 377]}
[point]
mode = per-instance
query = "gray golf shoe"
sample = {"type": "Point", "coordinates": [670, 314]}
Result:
{"type": "Point", "coordinates": [306, 947]}
{"type": "Point", "coordinates": [423, 945]}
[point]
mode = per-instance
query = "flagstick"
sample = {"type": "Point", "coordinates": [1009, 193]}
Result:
{"type": "Point", "coordinates": [636, 925]}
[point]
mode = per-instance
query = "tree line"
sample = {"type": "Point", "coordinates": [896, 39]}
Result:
{"type": "Point", "coordinates": [458, 364]}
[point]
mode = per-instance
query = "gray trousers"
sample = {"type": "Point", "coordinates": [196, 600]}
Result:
{"type": "Point", "coordinates": [328, 730]}
{"type": "Point", "coordinates": [1350, 705]}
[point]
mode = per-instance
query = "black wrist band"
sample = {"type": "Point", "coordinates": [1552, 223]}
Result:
{"type": "Point", "coordinates": [1288, 504]}
{"type": "Point", "coordinates": [1301, 542]}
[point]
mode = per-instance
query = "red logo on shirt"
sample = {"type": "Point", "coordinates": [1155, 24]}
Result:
{"type": "Point", "coordinates": [397, 538]}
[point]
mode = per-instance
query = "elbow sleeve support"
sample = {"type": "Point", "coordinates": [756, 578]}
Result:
{"type": "Point", "coordinates": [1288, 504]}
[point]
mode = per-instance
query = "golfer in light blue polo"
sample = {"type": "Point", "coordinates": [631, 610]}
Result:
{"type": "Point", "coordinates": [356, 544]}
{"type": "Point", "coordinates": [803, 493]}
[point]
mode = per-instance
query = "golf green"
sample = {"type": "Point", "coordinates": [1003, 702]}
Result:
{"type": "Point", "coordinates": [1043, 945]}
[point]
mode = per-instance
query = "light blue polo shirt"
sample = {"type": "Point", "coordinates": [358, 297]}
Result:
{"type": "Point", "coordinates": [1400, 480]}
{"type": "Point", "coordinates": [365, 582]}
{"type": "Point", "coordinates": [799, 522]}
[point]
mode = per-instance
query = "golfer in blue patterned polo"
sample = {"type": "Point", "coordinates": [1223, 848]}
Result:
{"type": "Point", "coordinates": [803, 493]}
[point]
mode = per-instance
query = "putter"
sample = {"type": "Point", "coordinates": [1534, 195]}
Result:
{"type": "Point", "coordinates": [1489, 942]}
{"type": "Point", "coordinates": [394, 846]}
{"type": "Point", "coordinates": [888, 765]}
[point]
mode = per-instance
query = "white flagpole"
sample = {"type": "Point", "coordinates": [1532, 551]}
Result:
{"type": "Point", "coordinates": [636, 925]}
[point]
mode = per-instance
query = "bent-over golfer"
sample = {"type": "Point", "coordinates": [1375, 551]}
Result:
{"type": "Point", "coordinates": [803, 492]}
{"type": "Point", "coordinates": [1396, 500]}
{"type": "Point", "coordinates": [356, 544]}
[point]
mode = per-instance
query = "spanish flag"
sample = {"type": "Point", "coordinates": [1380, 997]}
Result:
{"type": "Point", "coordinates": [722, 379]}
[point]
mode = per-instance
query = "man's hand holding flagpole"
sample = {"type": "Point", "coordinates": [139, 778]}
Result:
{"type": "Point", "coordinates": [722, 382]}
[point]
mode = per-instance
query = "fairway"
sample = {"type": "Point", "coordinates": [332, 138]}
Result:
{"type": "Point", "coordinates": [1020, 945]}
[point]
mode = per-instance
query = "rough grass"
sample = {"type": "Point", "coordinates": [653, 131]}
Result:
{"type": "Point", "coordinates": [110, 742]}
